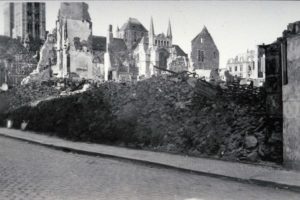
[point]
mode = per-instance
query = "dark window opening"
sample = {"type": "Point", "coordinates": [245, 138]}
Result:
{"type": "Point", "coordinates": [162, 60]}
{"type": "Point", "coordinates": [68, 63]}
{"type": "Point", "coordinates": [200, 55]}
{"type": "Point", "coordinates": [110, 75]}
{"type": "Point", "coordinates": [284, 64]}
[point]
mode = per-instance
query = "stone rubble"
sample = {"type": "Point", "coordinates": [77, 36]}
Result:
{"type": "Point", "coordinates": [184, 115]}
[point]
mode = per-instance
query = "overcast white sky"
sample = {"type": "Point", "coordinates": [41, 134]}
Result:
{"type": "Point", "coordinates": [235, 25]}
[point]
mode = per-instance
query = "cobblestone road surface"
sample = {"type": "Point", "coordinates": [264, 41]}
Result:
{"type": "Point", "coordinates": [32, 172]}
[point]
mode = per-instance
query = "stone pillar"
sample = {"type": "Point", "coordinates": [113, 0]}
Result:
{"type": "Point", "coordinates": [291, 104]}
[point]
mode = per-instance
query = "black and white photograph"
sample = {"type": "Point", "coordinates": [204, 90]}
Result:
{"type": "Point", "coordinates": [150, 100]}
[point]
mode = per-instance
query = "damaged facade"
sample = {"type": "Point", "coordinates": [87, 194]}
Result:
{"type": "Point", "coordinates": [282, 59]}
{"type": "Point", "coordinates": [72, 51]}
{"type": "Point", "coordinates": [249, 66]}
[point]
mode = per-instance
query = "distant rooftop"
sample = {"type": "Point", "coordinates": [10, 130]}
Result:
{"type": "Point", "coordinates": [133, 23]}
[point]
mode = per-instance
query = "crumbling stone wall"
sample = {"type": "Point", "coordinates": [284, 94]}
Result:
{"type": "Point", "coordinates": [47, 53]}
{"type": "Point", "coordinates": [75, 11]}
{"type": "Point", "coordinates": [74, 40]}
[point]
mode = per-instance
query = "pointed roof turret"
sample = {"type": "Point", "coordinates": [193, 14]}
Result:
{"type": "Point", "coordinates": [151, 31]}
{"type": "Point", "coordinates": [169, 32]}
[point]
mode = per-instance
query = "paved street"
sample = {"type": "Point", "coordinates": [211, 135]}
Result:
{"type": "Point", "coordinates": [29, 171]}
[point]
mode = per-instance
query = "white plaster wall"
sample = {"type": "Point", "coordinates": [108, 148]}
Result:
{"type": "Point", "coordinates": [81, 63]}
{"type": "Point", "coordinates": [78, 28]}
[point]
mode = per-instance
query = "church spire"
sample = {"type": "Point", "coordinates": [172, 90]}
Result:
{"type": "Point", "coordinates": [169, 32]}
{"type": "Point", "coordinates": [151, 31]}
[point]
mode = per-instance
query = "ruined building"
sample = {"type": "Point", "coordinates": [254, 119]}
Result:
{"type": "Point", "coordinates": [204, 54]}
{"type": "Point", "coordinates": [282, 59]}
{"type": "Point", "coordinates": [71, 50]}
{"type": "Point", "coordinates": [247, 66]}
{"type": "Point", "coordinates": [25, 21]}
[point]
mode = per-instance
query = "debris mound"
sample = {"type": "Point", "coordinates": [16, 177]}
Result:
{"type": "Point", "coordinates": [172, 113]}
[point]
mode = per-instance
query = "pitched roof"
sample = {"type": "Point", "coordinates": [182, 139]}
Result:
{"type": "Point", "coordinates": [204, 32]}
{"type": "Point", "coordinates": [133, 23]}
{"type": "Point", "coordinates": [98, 43]}
{"type": "Point", "coordinates": [179, 51]}
{"type": "Point", "coordinates": [118, 45]}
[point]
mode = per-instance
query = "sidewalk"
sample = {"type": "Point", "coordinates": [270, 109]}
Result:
{"type": "Point", "coordinates": [256, 174]}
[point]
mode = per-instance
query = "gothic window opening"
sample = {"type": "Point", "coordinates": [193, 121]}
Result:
{"type": "Point", "coordinates": [235, 68]}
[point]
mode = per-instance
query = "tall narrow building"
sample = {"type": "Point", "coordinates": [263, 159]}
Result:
{"type": "Point", "coordinates": [205, 54]}
{"type": "Point", "coordinates": [26, 20]}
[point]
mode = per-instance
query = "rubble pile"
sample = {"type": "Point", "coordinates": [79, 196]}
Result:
{"type": "Point", "coordinates": [25, 94]}
{"type": "Point", "coordinates": [167, 113]}
{"type": "Point", "coordinates": [175, 115]}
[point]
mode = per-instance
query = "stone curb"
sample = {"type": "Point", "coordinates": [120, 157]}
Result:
{"type": "Point", "coordinates": [255, 180]}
